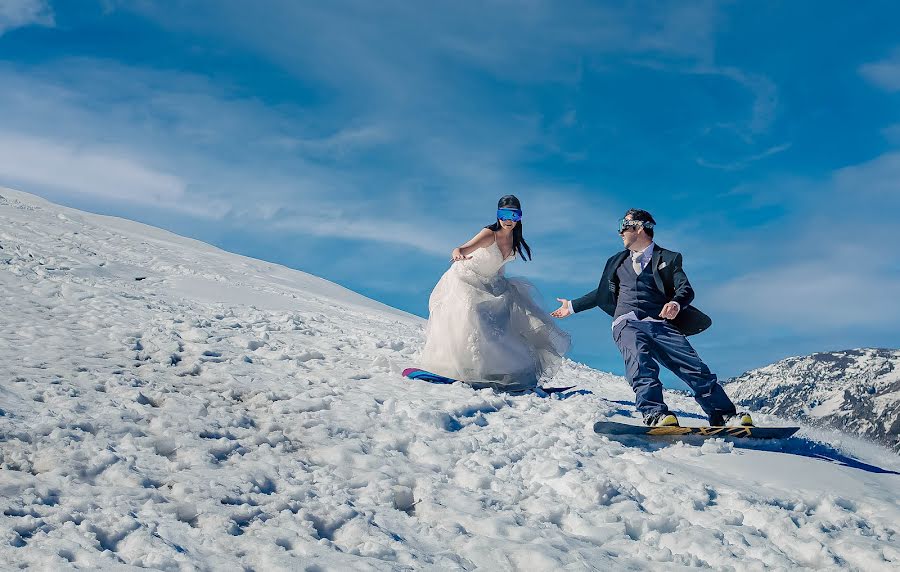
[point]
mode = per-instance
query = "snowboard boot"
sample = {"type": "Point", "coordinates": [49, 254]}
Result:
{"type": "Point", "coordinates": [665, 419]}
{"type": "Point", "coordinates": [739, 419]}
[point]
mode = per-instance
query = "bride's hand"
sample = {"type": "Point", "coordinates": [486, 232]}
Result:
{"type": "Point", "coordinates": [563, 311]}
{"type": "Point", "coordinates": [456, 255]}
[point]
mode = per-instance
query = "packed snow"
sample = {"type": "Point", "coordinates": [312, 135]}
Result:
{"type": "Point", "coordinates": [169, 405]}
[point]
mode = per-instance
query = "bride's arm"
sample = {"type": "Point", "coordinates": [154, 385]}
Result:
{"type": "Point", "coordinates": [480, 240]}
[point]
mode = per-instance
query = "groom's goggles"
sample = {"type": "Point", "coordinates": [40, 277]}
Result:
{"type": "Point", "coordinates": [509, 214]}
{"type": "Point", "coordinates": [625, 224]}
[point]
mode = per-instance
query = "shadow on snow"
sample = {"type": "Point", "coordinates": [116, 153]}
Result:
{"type": "Point", "coordinates": [792, 446]}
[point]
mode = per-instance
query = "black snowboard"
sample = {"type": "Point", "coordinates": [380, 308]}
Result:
{"type": "Point", "coordinates": [613, 428]}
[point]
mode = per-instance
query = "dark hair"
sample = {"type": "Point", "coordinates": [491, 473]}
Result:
{"type": "Point", "coordinates": [643, 216]}
{"type": "Point", "coordinates": [511, 202]}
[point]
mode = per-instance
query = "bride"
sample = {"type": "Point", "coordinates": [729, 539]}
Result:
{"type": "Point", "coordinates": [485, 327]}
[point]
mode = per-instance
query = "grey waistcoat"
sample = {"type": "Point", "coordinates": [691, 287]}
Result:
{"type": "Point", "coordinates": [638, 293]}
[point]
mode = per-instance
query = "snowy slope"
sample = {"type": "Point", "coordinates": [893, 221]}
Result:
{"type": "Point", "coordinates": [857, 391]}
{"type": "Point", "coordinates": [169, 405]}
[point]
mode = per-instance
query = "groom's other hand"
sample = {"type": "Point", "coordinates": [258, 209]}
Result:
{"type": "Point", "coordinates": [564, 310]}
{"type": "Point", "coordinates": [670, 310]}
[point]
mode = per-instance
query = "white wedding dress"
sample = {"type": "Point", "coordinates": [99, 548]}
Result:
{"type": "Point", "coordinates": [485, 327]}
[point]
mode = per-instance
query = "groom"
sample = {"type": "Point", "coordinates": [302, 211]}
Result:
{"type": "Point", "coordinates": [648, 295]}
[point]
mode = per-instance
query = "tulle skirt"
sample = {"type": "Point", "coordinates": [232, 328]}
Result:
{"type": "Point", "coordinates": [490, 330]}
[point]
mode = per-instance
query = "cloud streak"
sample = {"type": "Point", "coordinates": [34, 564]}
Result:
{"type": "Point", "coordinates": [108, 173]}
{"type": "Point", "coordinates": [884, 73]}
{"type": "Point", "coordinates": [21, 13]}
{"type": "Point", "coordinates": [737, 165]}
{"type": "Point", "coordinates": [878, 180]}
{"type": "Point", "coordinates": [811, 297]}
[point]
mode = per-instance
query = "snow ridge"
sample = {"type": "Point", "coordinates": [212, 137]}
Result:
{"type": "Point", "coordinates": [857, 391]}
{"type": "Point", "coordinates": [167, 405]}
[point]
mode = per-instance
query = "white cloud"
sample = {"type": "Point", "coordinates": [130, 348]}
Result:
{"type": "Point", "coordinates": [812, 295]}
{"type": "Point", "coordinates": [390, 56]}
{"type": "Point", "coordinates": [236, 157]}
{"type": "Point", "coordinates": [64, 166]}
{"type": "Point", "coordinates": [414, 234]}
{"type": "Point", "coordinates": [826, 269]}
{"type": "Point", "coordinates": [884, 73]}
{"type": "Point", "coordinates": [343, 142]}
{"type": "Point", "coordinates": [444, 142]}
{"type": "Point", "coordinates": [174, 134]}
{"type": "Point", "coordinates": [878, 178]}
{"type": "Point", "coordinates": [20, 13]}
{"type": "Point", "coordinates": [744, 161]}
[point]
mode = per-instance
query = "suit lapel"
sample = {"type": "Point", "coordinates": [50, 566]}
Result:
{"type": "Point", "coordinates": [654, 261]}
{"type": "Point", "coordinates": [613, 280]}
{"type": "Point", "coordinates": [622, 256]}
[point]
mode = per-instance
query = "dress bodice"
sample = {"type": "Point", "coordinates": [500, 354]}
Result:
{"type": "Point", "coordinates": [488, 262]}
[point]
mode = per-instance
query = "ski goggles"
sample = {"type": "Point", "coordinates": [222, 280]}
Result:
{"type": "Point", "coordinates": [509, 214]}
{"type": "Point", "coordinates": [625, 224]}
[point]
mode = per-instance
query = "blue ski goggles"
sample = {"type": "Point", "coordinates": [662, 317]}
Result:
{"type": "Point", "coordinates": [625, 224]}
{"type": "Point", "coordinates": [509, 214]}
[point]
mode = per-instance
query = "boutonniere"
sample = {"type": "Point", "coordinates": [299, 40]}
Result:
{"type": "Point", "coordinates": [661, 265]}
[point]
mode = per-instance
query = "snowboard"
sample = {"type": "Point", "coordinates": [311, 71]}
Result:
{"type": "Point", "coordinates": [422, 375]}
{"type": "Point", "coordinates": [613, 428]}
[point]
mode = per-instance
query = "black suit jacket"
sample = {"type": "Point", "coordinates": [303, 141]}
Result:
{"type": "Point", "coordinates": [668, 276]}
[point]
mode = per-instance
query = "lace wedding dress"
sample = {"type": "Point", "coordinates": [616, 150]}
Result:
{"type": "Point", "coordinates": [483, 326]}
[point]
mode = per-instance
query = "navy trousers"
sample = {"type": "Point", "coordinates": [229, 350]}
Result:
{"type": "Point", "coordinates": [643, 344]}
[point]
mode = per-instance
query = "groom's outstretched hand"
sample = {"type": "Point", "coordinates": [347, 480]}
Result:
{"type": "Point", "coordinates": [563, 310]}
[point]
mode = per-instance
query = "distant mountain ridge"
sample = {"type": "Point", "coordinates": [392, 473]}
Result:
{"type": "Point", "coordinates": [856, 391]}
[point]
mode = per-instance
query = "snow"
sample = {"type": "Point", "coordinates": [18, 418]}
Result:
{"type": "Point", "coordinates": [169, 405]}
{"type": "Point", "coordinates": [831, 406]}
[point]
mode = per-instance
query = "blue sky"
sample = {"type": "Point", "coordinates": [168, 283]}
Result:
{"type": "Point", "coordinates": [362, 141]}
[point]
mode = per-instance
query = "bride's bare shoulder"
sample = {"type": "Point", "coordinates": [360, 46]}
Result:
{"type": "Point", "coordinates": [485, 237]}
